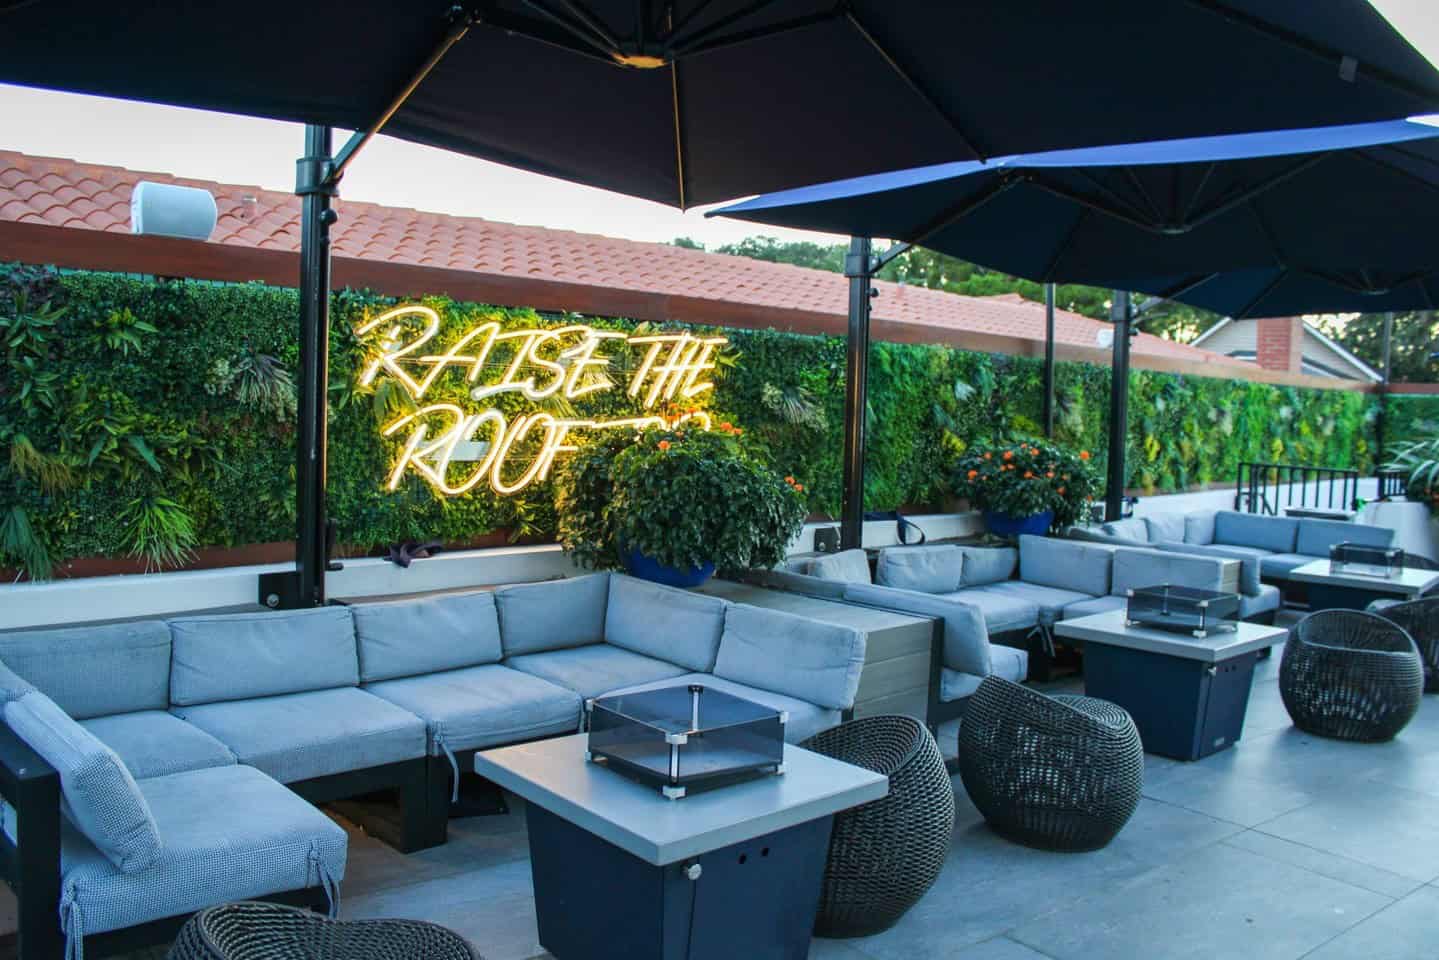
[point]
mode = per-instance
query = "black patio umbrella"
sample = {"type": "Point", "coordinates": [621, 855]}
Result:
{"type": "Point", "coordinates": [692, 101]}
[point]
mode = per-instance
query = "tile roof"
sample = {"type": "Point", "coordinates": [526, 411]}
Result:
{"type": "Point", "coordinates": [67, 193]}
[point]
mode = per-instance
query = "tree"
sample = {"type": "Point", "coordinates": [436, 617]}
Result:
{"type": "Point", "coordinates": [687, 243]}
{"type": "Point", "coordinates": [1413, 344]}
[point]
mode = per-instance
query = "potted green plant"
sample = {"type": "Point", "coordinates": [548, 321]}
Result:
{"type": "Point", "coordinates": [1025, 485]}
{"type": "Point", "coordinates": [675, 505]}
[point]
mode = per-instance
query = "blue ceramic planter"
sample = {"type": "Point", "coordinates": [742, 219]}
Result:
{"type": "Point", "coordinates": [647, 568]}
{"type": "Point", "coordinates": [1003, 525]}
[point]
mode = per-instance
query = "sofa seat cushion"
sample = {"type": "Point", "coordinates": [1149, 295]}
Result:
{"type": "Point", "coordinates": [673, 625]}
{"type": "Point", "coordinates": [847, 566]}
{"type": "Point", "coordinates": [591, 671]}
{"type": "Point", "coordinates": [407, 638]}
{"type": "Point", "coordinates": [1085, 608]}
{"type": "Point", "coordinates": [299, 736]}
{"type": "Point", "coordinates": [554, 614]}
{"type": "Point", "coordinates": [95, 671]}
{"type": "Point", "coordinates": [1280, 564]}
{"type": "Point", "coordinates": [1050, 600]}
{"type": "Point", "coordinates": [1317, 536]}
{"type": "Point", "coordinates": [1002, 611]}
{"type": "Point", "coordinates": [483, 706]}
{"type": "Point", "coordinates": [153, 743]}
{"type": "Point", "coordinates": [1010, 663]}
{"type": "Point", "coordinates": [1267, 599]}
{"type": "Point", "coordinates": [1275, 534]}
{"type": "Point", "coordinates": [1239, 552]}
{"type": "Point", "coordinates": [954, 685]}
{"type": "Point", "coordinates": [805, 718]}
{"type": "Point", "coordinates": [231, 833]}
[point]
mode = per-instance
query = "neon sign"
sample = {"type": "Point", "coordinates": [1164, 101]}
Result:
{"type": "Point", "coordinates": [537, 364]}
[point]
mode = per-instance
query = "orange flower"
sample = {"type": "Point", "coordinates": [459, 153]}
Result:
{"type": "Point", "coordinates": [1029, 474]}
{"type": "Point", "coordinates": [972, 474]}
{"type": "Point", "coordinates": [799, 488]}
{"type": "Point", "coordinates": [1061, 491]}
{"type": "Point", "coordinates": [738, 432]}
{"type": "Point", "coordinates": [988, 455]}
{"type": "Point", "coordinates": [1084, 454]}
{"type": "Point", "coordinates": [664, 444]}
{"type": "Point", "coordinates": [726, 426]}
{"type": "Point", "coordinates": [1050, 474]}
{"type": "Point", "coordinates": [1009, 454]}
{"type": "Point", "coordinates": [789, 479]}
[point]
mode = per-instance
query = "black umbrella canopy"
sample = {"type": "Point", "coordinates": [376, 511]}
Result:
{"type": "Point", "coordinates": [694, 101]}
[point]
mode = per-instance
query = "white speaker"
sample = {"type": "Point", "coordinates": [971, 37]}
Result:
{"type": "Point", "coordinates": [168, 210]}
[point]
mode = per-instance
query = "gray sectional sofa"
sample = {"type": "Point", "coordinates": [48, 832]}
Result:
{"type": "Point", "coordinates": [182, 752]}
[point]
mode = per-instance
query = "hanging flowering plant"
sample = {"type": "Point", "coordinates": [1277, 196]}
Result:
{"type": "Point", "coordinates": [1026, 477]}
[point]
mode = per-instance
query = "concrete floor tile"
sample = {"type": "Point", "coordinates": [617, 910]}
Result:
{"type": "Point", "coordinates": [1407, 930]}
{"type": "Point", "coordinates": [1325, 864]}
{"type": "Point", "coordinates": [1385, 827]}
{"type": "Point", "coordinates": [1225, 795]}
{"type": "Point", "coordinates": [1159, 832]}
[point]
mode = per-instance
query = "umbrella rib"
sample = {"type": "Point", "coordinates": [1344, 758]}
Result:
{"type": "Point", "coordinates": [1143, 192]}
{"type": "Point", "coordinates": [1187, 286]}
{"type": "Point", "coordinates": [1269, 236]}
{"type": "Point", "coordinates": [595, 25]}
{"type": "Point", "coordinates": [537, 31]}
{"type": "Point", "coordinates": [1396, 169]}
{"type": "Point", "coordinates": [1250, 192]}
{"type": "Point", "coordinates": [685, 43]}
{"type": "Point", "coordinates": [594, 40]}
{"type": "Point", "coordinates": [1114, 198]}
{"type": "Point", "coordinates": [679, 134]}
{"type": "Point", "coordinates": [1090, 203]}
{"type": "Point", "coordinates": [1065, 245]}
{"type": "Point", "coordinates": [1199, 189]}
{"type": "Point", "coordinates": [914, 85]}
{"type": "Point", "coordinates": [694, 48]}
{"type": "Point", "coordinates": [959, 211]}
{"type": "Point", "coordinates": [688, 18]}
{"type": "Point", "coordinates": [1263, 294]}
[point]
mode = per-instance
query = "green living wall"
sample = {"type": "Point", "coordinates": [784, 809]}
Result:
{"type": "Point", "coordinates": [141, 417]}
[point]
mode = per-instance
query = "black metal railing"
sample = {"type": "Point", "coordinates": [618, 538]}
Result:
{"type": "Point", "coordinates": [1392, 484]}
{"type": "Point", "coordinates": [1269, 488]}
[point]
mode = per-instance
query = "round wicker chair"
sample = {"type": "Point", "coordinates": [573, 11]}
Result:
{"type": "Point", "coordinates": [1419, 619]}
{"type": "Point", "coordinates": [884, 855]}
{"type": "Point", "coordinates": [271, 931]}
{"type": "Point", "coordinates": [1058, 773]}
{"type": "Point", "coordinates": [1350, 675]}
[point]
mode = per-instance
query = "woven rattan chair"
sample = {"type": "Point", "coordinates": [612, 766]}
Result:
{"type": "Point", "coordinates": [270, 931]}
{"type": "Point", "coordinates": [1058, 773]}
{"type": "Point", "coordinates": [1350, 675]}
{"type": "Point", "coordinates": [1419, 619]}
{"type": "Point", "coordinates": [884, 855]}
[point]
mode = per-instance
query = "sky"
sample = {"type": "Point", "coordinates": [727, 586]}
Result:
{"type": "Point", "coordinates": [247, 151]}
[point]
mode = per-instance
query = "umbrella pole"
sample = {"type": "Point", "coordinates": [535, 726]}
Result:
{"type": "Point", "coordinates": [1379, 424]}
{"type": "Point", "coordinates": [859, 269]}
{"type": "Point", "coordinates": [1118, 406]}
{"type": "Point", "coordinates": [1049, 360]}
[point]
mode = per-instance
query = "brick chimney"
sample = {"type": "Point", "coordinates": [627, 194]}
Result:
{"type": "Point", "coordinates": [1279, 343]}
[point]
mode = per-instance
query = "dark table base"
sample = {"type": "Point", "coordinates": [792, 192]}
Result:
{"type": "Point", "coordinates": [1328, 596]}
{"type": "Point", "coordinates": [754, 900]}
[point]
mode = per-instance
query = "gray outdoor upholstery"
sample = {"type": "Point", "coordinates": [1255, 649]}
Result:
{"type": "Point", "coordinates": [1268, 598]}
{"type": "Point", "coordinates": [1098, 605]}
{"type": "Point", "coordinates": [95, 671]}
{"type": "Point", "coordinates": [1134, 569]}
{"type": "Point", "coordinates": [406, 638]}
{"type": "Point", "coordinates": [812, 586]}
{"type": "Point", "coordinates": [230, 833]}
{"type": "Point", "coordinates": [966, 639]}
{"type": "Point", "coordinates": [676, 626]}
{"type": "Point", "coordinates": [805, 718]}
{"type": "Point", "coordinates": [1002, 611]}
{"type": "Point", "coordinates": [312, 734]}
{"type": "Point", "coordinates": [483, 706]}
{"type": "Point", "coordinates": [590, 671]}
{"type": "Point", "coordinates": [1066, 564]}
{"type": "Point", "coordinates": [1051, 601]}
{"type": "Point", "coordinates": [12, 685]}
{"type": "Point", "coordinates": [1249, 560]}
{"type": "Point", "coordinates": [1317, 536]}
{"type": "Point", "coordinates": [1199, 527]}
{"type": "Point", "coordinates": [847, 566]}
{"type": "Point", "coordinates": [954, 685]}
{"type": "Point", "coordinates": [554, 614]}
{"type": "Point", "coordinates": [984, 565]}
{"type": "Point", "coordinates": [935, 569]}
{"type": "Point", "coordinates": [1009, 663]}
{"type": "Point", "coordinates": [1130, 528]}
{"type": "Point", "coordinates": [242, 656]}
{"type": "Point", "coordinates": [153, 743]}
{"type": "Point", "coordinates": [1280, 564]}
{"type": "Point", "coordinates": [1165, 526]}
{"type": "Point", "coordinates": [1275, 534]}
{"type": "Point", "coordinates": [795, 656]}
{"type": "Point", "coordinates": [100, 795]}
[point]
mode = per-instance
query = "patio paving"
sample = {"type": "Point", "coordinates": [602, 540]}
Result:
{"type": "Point", "coordinates": [1286, 846]}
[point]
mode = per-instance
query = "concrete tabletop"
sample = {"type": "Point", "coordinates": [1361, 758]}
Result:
{"type": "Point", "coordinates": [554, 774]}
{"type": "Point", "coordinates": [1409, 583]}
{"type": "Point", "coordinates": [1110, 628]}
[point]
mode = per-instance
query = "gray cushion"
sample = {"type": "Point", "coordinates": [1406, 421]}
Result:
{"type": "Point", "coordinates": [1050, 600]}
{"type": "Point", "coordinates": [966, 638]}
{"type": "Point", "coordinates": [847, 566]}
{"type": "Point", "coordinates": [1130, 528]}
{"type": "Point", "coordinates": [796, 656]}
{"type": "Point", "coordinates": [483, 706]}
{"type": "Point", "coordinates": [313, 734]}
{"type": "Point", "coordinates": [805, 718]}
{"type": "Point", "coordinates": [12, 685]}
{"type": "Point", "coordinates": [801, 583]}
{"type": "Point", "coordinates": [1010, 663]}
{"type": "Point", "coordinates": [95, 671]}
{"type": "Point", "coordinates": [1135, 568]}
{"type": "Point", "coordinates": [1268, 598]}
{"type": "Point", "coordinates": [1093, 535]}
{"type": "Point", "coordinates": [596, 669]}
{"type": "Point", "coordinates": [1002, 611]}
{"type": "Point", "coordinates": [231, 833]}
{"type": "Point", "coordinates": [153, 743]}
{"type": "Point", "coordinates": [1248, 558]}
{"type": "Point", "coordinates": [1199, 527]}
{"type": "Point", "coordinates": [100, 795]}
{"type": "Point", "coordinates": [1085, 608]}
{"type": "Point", "coordinates": [926, 569]}
{"type": "Point", "coordinates": [987, 565]}
{"type": "Point", "coordinates": [1317, 536]}
{"type": "Point", "coordinates": [1165, 526]}
{"type": "Point", "coordinates": [1275, 534]}
{"type": "Point", "coordinates": [954, 685]}
{"type": "Point", "coordinates": [672, 625]}
{"type": "Point", "coordinates": [554, 614]}
{"type": "Point", "coordinates": [1066, 564]}
{"type": "Point", "coordinates": [406, 638]}
{"type": "Point", "coordinates": [1279, 564]}
{"type": "Point", "coordinates": [242, 656]}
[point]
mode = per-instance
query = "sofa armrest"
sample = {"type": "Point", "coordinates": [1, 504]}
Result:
{"type": "Point", "coordinates": [30, 843]}
{"type": "Point", "coordinates": [966, 639]}
{"type": "Point", "coordinates": [1249, 567]}
{"type": "Point", "coordinates": [791, 582]}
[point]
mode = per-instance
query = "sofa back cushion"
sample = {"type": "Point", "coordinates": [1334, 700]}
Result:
{"type": "Point", "coordinates": [966, 638]}
{"type": "Point", "coordinates": [802, 658]}
{"type": "Point", "coordinates": [100, 796]}
{"type": "Point", "coordinates": [407, 638]}
{"type": "Point", "coordinates": [847, 566]}
{"type": "Point", "coordinates": [661, 622]}
{"type": "Point", "coordinates": [1276, 534]}
{"type": "Point", "coordinates": [1317, 536]}
{"type": "Point", "coordinates": [987, 565]}
{"type": "Point", "coordinates": [1135, 568]}
{"type": "Point", "coordinates": [243, 656]}
{"type": "Point", "coordinates": [1199, 527]}
{"type": "Point", "coordinates": [95, 671]}
{"type": "Point", "coordinates": [554, 614]}
{"type": "Point", "coordinates": [1130, 528]}
{"type": "Point", "coordinates": [1065, 564]}
{"type": "Point", "coordinates": [1249, 564]}
{"type": "Point", "coordinates": [1165, 526]}
{"type": "Point", "coordinates": [936, 569]}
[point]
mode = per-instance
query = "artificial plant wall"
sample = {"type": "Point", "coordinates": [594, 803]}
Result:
{"type": "Point", "coordinates": [142, 417]}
